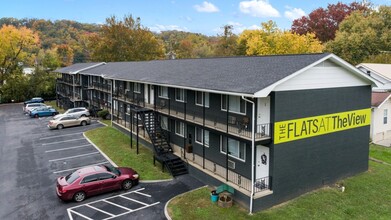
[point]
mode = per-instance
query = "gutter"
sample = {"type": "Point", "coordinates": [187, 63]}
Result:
{"type": "Point", "coordinates": [252, 152]}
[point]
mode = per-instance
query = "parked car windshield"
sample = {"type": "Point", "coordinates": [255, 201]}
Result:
{"type": "Point", "coordinates": [113, 170]}
{"type": "Point", "coordinates": [71, 177]}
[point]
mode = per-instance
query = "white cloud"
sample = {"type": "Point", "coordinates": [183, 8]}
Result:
{"type": "Point", "coordinates": [258, 8]}
{"type": "Point", "coordinates": [294, 13]}
{"type": "Point", "coordinates": [206, 7]}
{"type": "Point", "coordinates": [159, 28]}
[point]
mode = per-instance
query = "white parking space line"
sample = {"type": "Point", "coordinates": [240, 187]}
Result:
{"type": "Point", "coordinates": [79, 214]}
{"type": "Point", "coordinates": [58, 142]}
{"type": "Point", "coordinates": [133, 200]}
{"type": "Point", "coordinates": [68, 148]}
{"type": "Point", "coordinates": [71, 210]}
{"type": "Point", "coordinates": [143, 194]}
{"type": "Point", "coordinates": [76, 168]}
{"type": "Point", "coordinates": [99, 210]}
{"type": "Point", "coordinates": [125, 213]}
{"type": "Point", "coordinates": [120, 206]}
{"type": "Point", "coordinates": [81, 155]}
{"type": "Point", "coordinates": [63, 135]}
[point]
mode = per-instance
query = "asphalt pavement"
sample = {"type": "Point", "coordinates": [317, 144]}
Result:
{"type": "Point", "coordinates": [32, 157]}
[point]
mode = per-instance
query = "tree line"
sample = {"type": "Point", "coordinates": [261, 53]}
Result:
{"type": "Point", "coordinates": [357, 33]}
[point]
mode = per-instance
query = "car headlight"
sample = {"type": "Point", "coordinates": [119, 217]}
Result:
{"type": "Point", "coordinates": [135, 176]}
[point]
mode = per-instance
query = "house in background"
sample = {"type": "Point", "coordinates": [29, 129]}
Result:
{"type": "Point", "coordinates": [380, 119]}
{"type": "Point", "coordinates": [378, 71]}
{"type": "Point", "coordinates": [271, 127]}
{"type": "Point", "coordinates": [381, 105]}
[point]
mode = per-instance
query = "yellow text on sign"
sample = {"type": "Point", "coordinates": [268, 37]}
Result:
{"type": "Point", "coordinates": [296, 129]}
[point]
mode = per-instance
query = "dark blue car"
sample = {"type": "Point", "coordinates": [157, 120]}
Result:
{"type": "Point", "coordinates": [34, 100]}
{"type": "Point", "coordinates": [43, 111]}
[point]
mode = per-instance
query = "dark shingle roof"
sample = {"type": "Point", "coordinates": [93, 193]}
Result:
{"type": "Point", "coordinates": [245, 75]}
{"type": "Point", "coordinates": [75, 67]}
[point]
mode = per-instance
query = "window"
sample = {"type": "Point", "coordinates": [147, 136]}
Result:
{"type": "Point", "coordinates": [137, 87]}
{"type": "Point", "coordinates": [236, 104]}
{"type": "Point", "coordinates": [164, 122]}
{"type": "Point", "coordinates": [72, 177]}
{"type": "Point", "coordinates": [385, 116]}
{"type": "Point", "coordinates": [163, 92]}
{"type": "Point", "coordinates": [180, 95]}
{"type": "Point", "coordinates": [180, 128]}
{"type": "Point", "coordinates": [236, 149]}
{"type": "Point", "coordinates": [200, 98]}
{"type": "Point", "coordinates": [199, 136]}
{"type": "Point", "coordinates": [115, 103]}
{"type": "Point", "coordinates": [105, 176]}
{"type": "Point", "coordinates": [89, 179]}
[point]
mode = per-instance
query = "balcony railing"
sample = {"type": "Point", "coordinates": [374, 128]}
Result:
{"type": "Point", "coordinates": [237, 125]}
{"type": "Point", "coordinates": [102, 87]}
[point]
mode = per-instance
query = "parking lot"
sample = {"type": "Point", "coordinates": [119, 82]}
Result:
{"type": "Point", "coordinates": [32, 157]}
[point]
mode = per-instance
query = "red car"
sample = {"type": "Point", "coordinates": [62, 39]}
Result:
{"type": "Point", "coordinates": [94, 180]}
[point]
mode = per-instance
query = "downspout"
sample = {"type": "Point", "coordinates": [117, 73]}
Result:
{"type": "Point", "coordinates": [112, 102]}
{"type": "Point", "coordinates": [252, 152]}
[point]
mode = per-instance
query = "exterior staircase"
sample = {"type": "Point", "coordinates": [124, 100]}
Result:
{"type": "Point", "coordinates": [161, 144]}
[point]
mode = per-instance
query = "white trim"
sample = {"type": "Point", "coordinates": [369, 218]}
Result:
{"type": "Point", "coordinates": [385, 100]}
{"type": "Point", "coordinates": [266, 91]}
{"type": "Point", "coordinates": [188, 88]}
{"type": "Point", "coordinates": [87, 68]}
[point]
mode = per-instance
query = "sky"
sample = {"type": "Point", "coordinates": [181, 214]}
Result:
{"type": "Point", "coordinates": [197, 16]}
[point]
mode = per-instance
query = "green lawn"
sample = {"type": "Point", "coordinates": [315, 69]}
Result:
{"type": "Point", "coordinates": [367, 196]}
{"type": "Point", "coordinates": [53, 104]}
{"type": "Point", "coordinates": [380, 153]}
{"type": "Point", "coordinates": [116, 145]}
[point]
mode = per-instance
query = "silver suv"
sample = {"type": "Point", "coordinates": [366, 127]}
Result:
{"type": "Point", "coordinates": [76, 112]}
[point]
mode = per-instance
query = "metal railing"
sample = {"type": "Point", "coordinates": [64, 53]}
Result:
{"type": "Point", "coordinates": [102, 87]}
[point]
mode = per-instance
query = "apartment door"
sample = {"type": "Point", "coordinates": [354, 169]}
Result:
{"type": "Point", "coordinates": [262, 162]}
{"type": "Point", "coordinates": [263, 116]}
{"type": "Point", "coordinates": [151, 94]}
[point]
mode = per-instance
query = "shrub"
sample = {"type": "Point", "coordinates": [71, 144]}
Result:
{"type": "Point", "coordinates": [103, 114]}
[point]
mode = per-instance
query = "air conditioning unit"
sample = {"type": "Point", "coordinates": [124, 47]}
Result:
{"type": "Point", "coordinates": [231, 164]}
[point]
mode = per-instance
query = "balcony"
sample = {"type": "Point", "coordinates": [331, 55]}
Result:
{"type": "Point", "coordinates": [237, 125]}
{"type": "Point", "coordinates": [262, 185]}
{"type": "Point", "coordinates": [102, 87]}
{"type": "Point", "coordinates": [69, 82]}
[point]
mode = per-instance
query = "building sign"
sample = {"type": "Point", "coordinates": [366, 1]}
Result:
{"type": "Point", "coordinates": [285, 131]}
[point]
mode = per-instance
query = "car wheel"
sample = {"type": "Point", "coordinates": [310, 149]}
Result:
{"type": "Point", "coordinates": [79, 196]}
{"type": "Point", "coordinates": [83, 123]}
{"type": "Point", "coordinates": [36, 116]}
{"type": "Point", "coordinates": [127, 184]}
{"type": "Point", "coordinates": [60, 126]}
{"type": "Point", "coordinates": [53, 114]}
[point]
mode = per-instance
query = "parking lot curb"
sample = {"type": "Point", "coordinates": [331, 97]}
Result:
{"type": "Point", "coordinates": [156, 181]}
{"type": "Point", "coordinates": [97, 148]}
{"type": "Point", "coordinates": [165, 206]}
